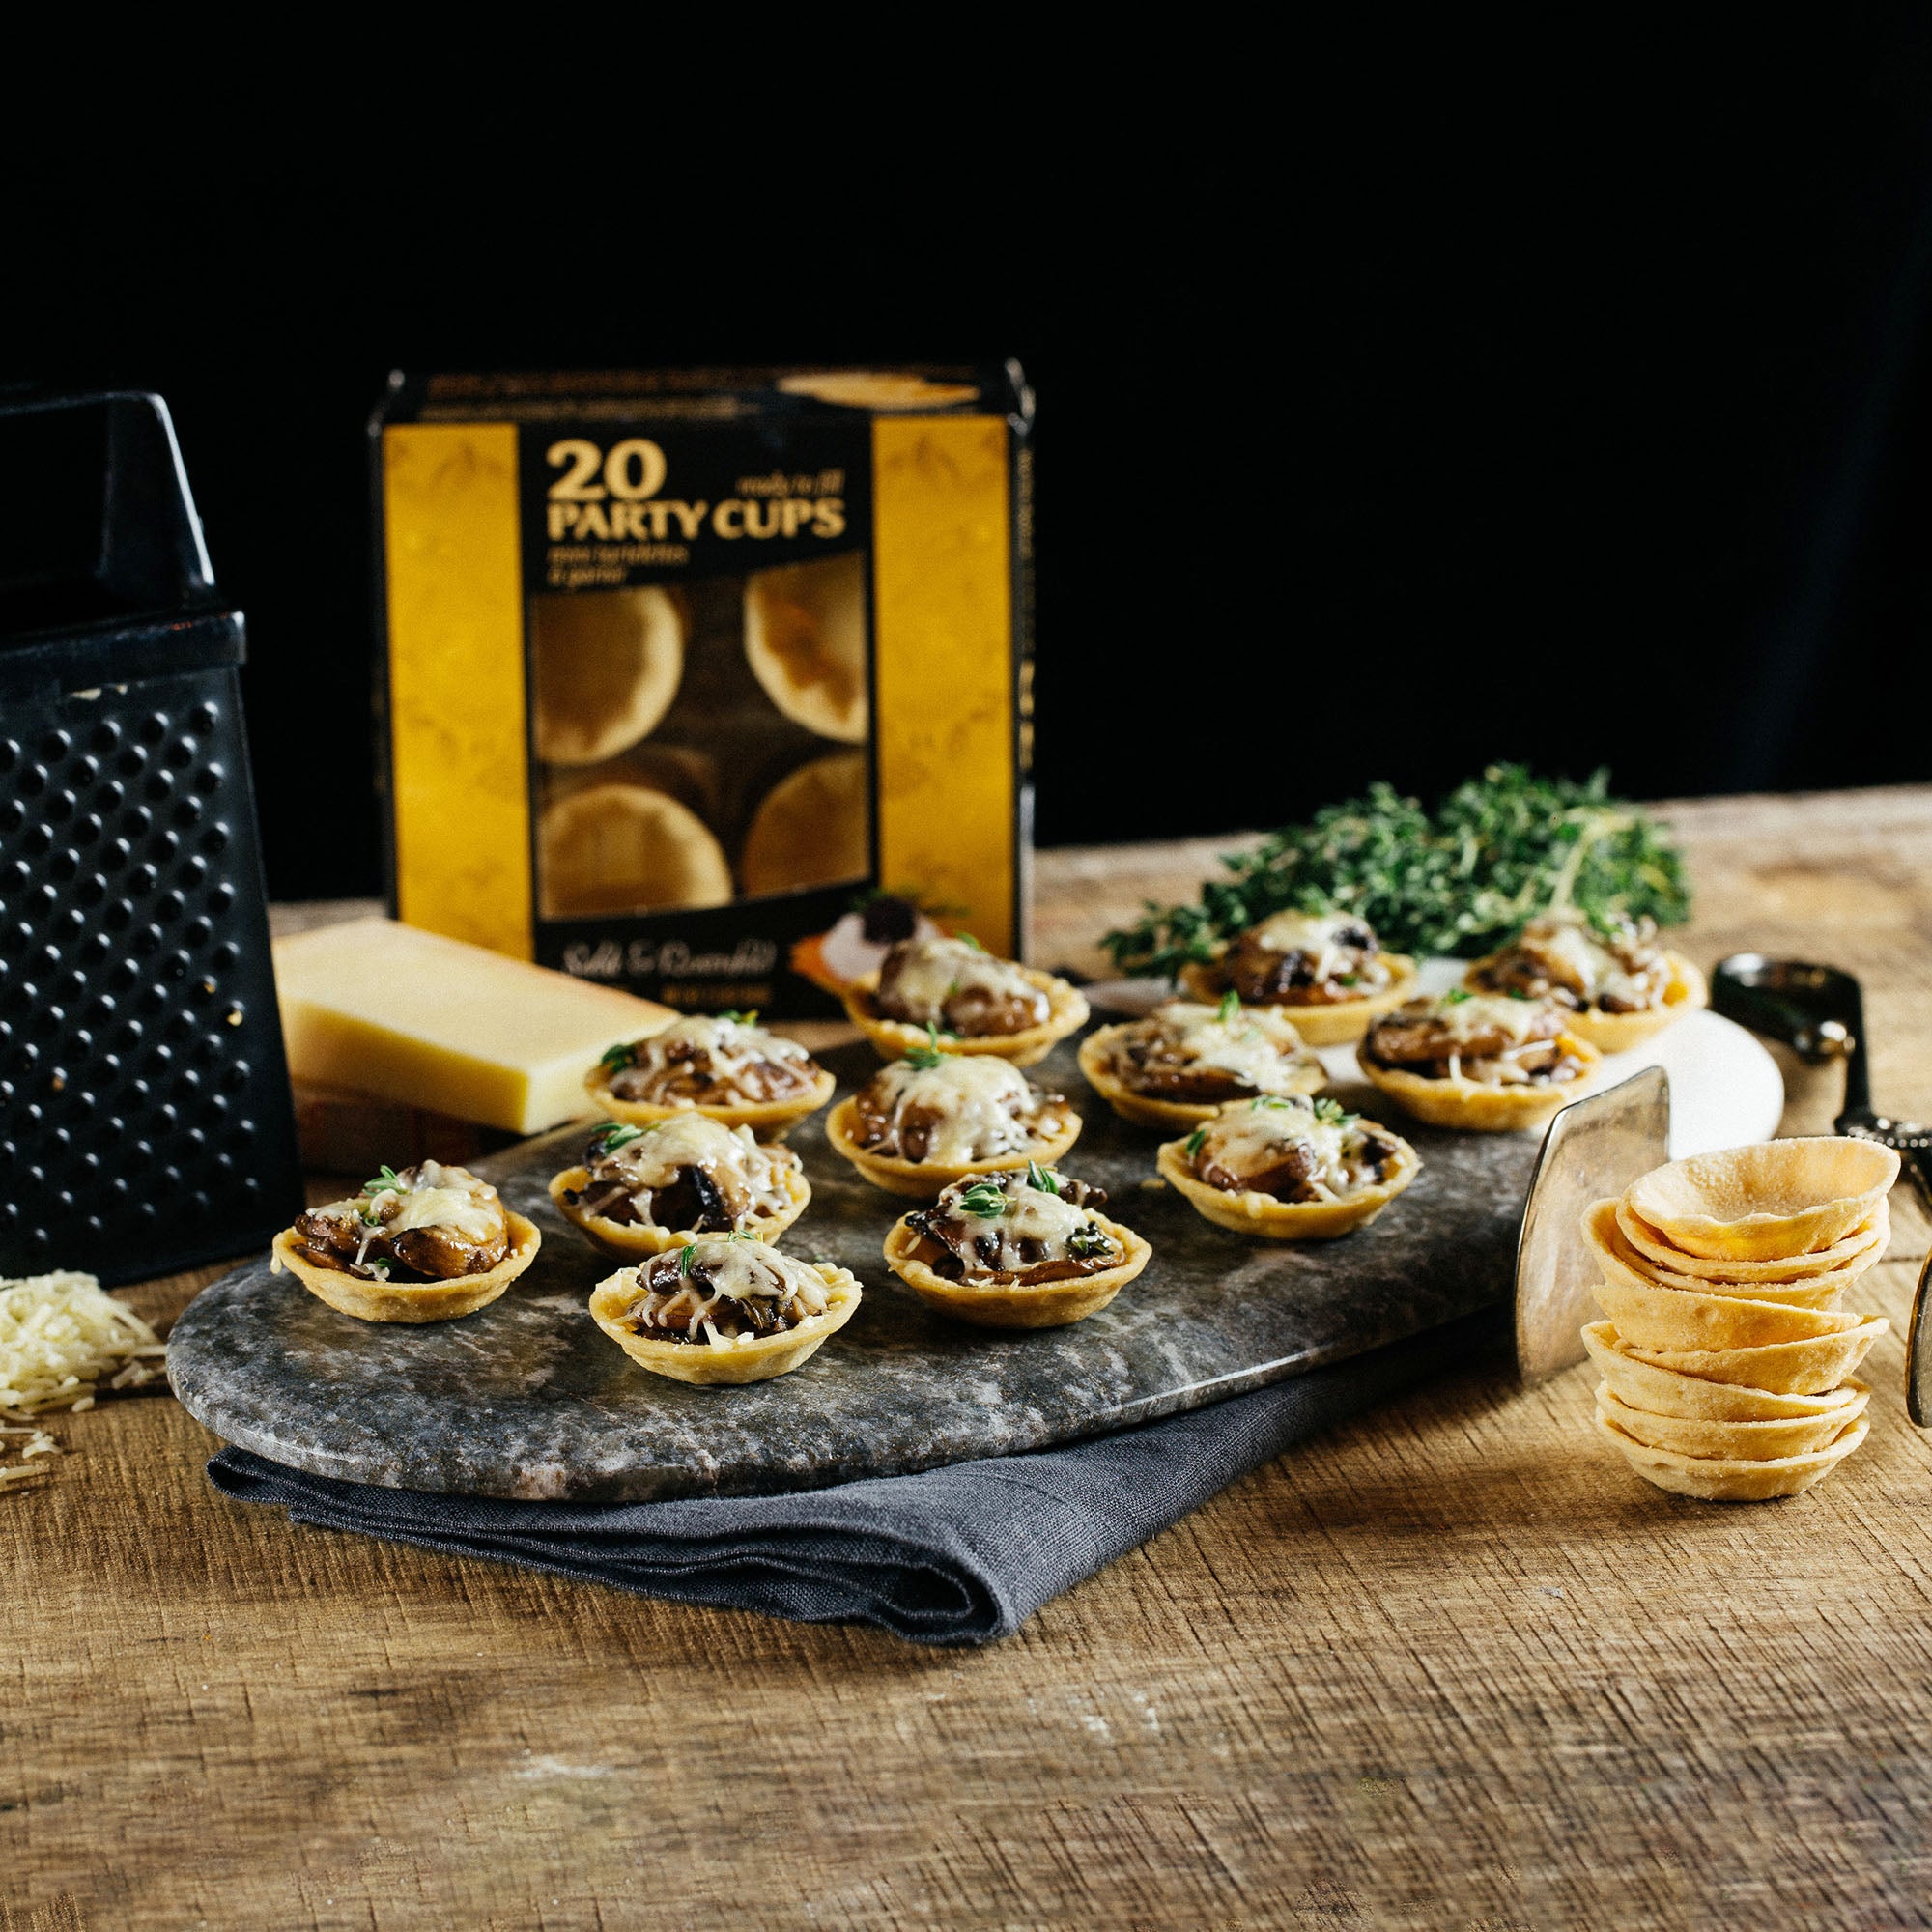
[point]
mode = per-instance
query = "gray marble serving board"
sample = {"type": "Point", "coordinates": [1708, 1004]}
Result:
{"type": "Point", "coordinates": [529, 1398]}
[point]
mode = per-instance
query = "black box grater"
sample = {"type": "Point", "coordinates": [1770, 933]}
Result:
{"type": "Point", "coordinates": [145, 1116]}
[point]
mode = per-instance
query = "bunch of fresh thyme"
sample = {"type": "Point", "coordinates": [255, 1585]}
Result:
{"type": "Point", "coordinates": [1459, 881]}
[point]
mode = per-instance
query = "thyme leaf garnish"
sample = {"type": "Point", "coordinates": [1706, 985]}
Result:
{"type": "Point", "coordinates": [607, 1140]}
{"type": "Point", "coordinates": [923, 1058]}
{"type": "Point", "coordinates": [986, 1199]}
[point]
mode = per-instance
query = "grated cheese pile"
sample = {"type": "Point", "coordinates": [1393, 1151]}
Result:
{"type": "Point", "coordinates": [60, 1339]}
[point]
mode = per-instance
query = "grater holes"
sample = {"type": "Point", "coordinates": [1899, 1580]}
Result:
{"type": "Point", "coordinates": [180, 753]}
{"type": "Point", "coordinates": [9, 755]}
{"type": "Point", "coordinates": [153, 728]}
{"type": "Point", "coordinates": [32, 780]}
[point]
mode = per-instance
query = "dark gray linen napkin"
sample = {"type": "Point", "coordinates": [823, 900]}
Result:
{"type": "Point", "coordinates": [958, 1555]}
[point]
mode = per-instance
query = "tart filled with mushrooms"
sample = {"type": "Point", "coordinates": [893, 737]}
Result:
{"type": "Point", "coordinates": [640, 1190]}
{"type": "Point", "coordinates": [1021, 1249]}
{"type": "Point", "coordinates": [1328, 969]}
{"type": "Point", "coordinates": [929, 1119]}
{"type": "Point", "coordinates": [1289, 1168]}
{"type": "Point", "coordinates": [723, 1066]}
{"type": "Point", "coordinates": [1617, 985]}
{"type": "Point", "coordinates": [952, 990]}
{"type": "Point", "coordinates": [723, 1309]}
{"type": "Point", "coordinates": [1487, 1062]}
{"type": "Point", "coordinates": [1176, 1066]}
{"type": "Point", "coordinates": [425, 1245]}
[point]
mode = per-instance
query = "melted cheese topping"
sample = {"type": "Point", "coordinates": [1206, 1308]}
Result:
{"type": "Point", "coordinates": [975, 1099]}
{"type": "Point", "coordinates": [1248, 1139]}
{"type": "Point", "coordinates": [1591, 968]}
{"type": "Point", "coordinates": [1518, 1021]}
{"type": "Point", "coordinates": [1256, 1045]}
{"type": "Point", "coordinates": [1317, 937]}
{"type": "Point", "coordinates": [749, 1271]}
{"type": "Point", "coordinates": [931, 971]}
{"type": "Point", "coordinates": [745, 1170]}
{"type": "Point", "coordinates": [735, 1269]}
{"type": "Point", "coordinates": [444, 1197]}
{"type": "Point", "coordinates": [728, 1046]}
{"type": "Point", "coordinates": [1030, 1214]}
{"type": "Point", "coordinates": [1302, 931]}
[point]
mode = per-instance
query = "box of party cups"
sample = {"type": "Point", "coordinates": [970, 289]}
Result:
{"type": "Point", "coordinates": [709, 683]}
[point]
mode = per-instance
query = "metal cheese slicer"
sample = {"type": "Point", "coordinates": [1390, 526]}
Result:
{"type": "Point", "coordinates": [1818, 1011]}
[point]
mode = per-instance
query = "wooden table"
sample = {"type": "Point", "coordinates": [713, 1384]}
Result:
{"type": "Point", "coordinates": [1450, 1667]}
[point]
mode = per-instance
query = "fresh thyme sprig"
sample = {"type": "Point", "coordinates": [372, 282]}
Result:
{"type": "Point", "coordinates": [615, 1059]}
{"type": "Point", "coordinates": [984, 1198]}
{"type": "Point", "coordinates": [387, 1182]}
{"type": "Point", "coordinates": [1459, 881]}
{"type": "Point", "coordinates": [924, 1058]}
{"type": "Point", "coordinates": [607, 1140]}
{"type": "Point", "coordinates": [1042, 1180]}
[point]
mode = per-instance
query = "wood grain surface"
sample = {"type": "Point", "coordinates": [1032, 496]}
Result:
{"type": "Point", "coordinates": [1449, 1667]}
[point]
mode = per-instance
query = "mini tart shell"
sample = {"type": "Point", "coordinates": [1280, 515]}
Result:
{"type": "Point", "coordinates": [1012, 1305]}
{"type": "Point", "coordinates": [768, 1119]}
{"type": "Point", "coordinates": [1097, 1062]}
{"type": "Point", "coordinates": [1067, 1012]}
{"type": "Point", "coordinates": [925, 1179]}
{"type": "Point", "coordinates": [1253, 1213]}
{"type": "Point", "coordinates": [1333, 1023]}
{"type": "Point", "coordinates": [706, 1365]}
{"type": "Point", "coordinates": [637, 1237]}
{"type": "Point", "coordinates": [1474, 1105]}
{"type": "Point", "coordinates": [1617, 1032]}
{"type": "Point", "coordinates": [409, 1302]}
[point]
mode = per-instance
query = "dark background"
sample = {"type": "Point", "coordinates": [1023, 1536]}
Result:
{"type": "Point", "coordinates": [1383, 433]}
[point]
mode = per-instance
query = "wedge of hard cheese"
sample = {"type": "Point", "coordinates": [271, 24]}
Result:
{"type": "Point", "coordinates": [433, 1023]}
